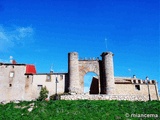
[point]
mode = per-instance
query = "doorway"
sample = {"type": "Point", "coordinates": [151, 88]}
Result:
{"type": "Point", "coordinates": [91, 83]}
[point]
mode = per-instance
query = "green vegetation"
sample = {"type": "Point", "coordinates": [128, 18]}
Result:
{"type": "Point", "coordinates": [79, 110]}
{"type": "Point", "coordinates": [43, 94]}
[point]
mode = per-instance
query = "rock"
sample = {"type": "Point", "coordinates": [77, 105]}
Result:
{"type": "Point", "coordinates": [32, 104]}
{"type": "Point", "coordinates": [30, 109]}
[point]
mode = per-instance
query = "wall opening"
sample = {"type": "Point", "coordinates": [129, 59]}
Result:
{"type": "Point", "coordinates": [10, 85]}
{"type": "Point", "coordinates": [91, 83]}
{"type": "Point", "coordinates": [39, 87]}
{"type": "Point", "coordinates": [11, 74]}
{"type": "Point", "coordinates": [137, 87]}
{"type": "Point", "coordinates": [48, 78]}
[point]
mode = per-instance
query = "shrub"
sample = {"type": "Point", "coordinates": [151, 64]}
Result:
{"type": "Point", "coordinates": [43, 94]}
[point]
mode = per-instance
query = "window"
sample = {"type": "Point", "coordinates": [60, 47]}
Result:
{"type": "Point", "coordinates": [48, 78]}
{"type": "Point", "coordinates": [11, 74]}
{"type": "Point", "coordinates": [139, 81]}
{"type": "Point", "coordinates": [134, 81]}
{"type": "Point", "coordinates": [39, 87]}
{"type": "Point", "coordinates": [153, 82]}
{"type": "Point", "coordinates": [137, 87]}
{"type": "Point", "coordinates": [27, 76]}
{"type": "Point", "coordinates": [61, 77]}
{"type": "Point", "coordinates": [10, 85]}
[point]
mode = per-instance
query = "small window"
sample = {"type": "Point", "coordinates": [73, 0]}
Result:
{"type": "Point", "coordinates": [134, 81]}
{"type": "Point", "coordinates": [48, 79]}
{"type": "Point", "coordinates": [139, 81]}
{"type": "Point", "coordinates": [153, 82]}
{"type": "Point", "coordinates": [61, 77]}
{"type": "Point", "coordinates": [27, 76]}
{"type": "Point", "coordinates": [137, 87]}
{"type": "Point", "coordinates": [39, 87]}
{"type": "Point", "coordinates": [10, 85]}
{"type": "Point", "coordinates": [13, 66]}
{"type": "Point", "coordinates": [11, 74]}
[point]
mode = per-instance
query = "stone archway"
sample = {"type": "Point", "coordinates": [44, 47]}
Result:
{"type": "Point", "coordinates": [103, 68]}
{"type": "Point", "coordinates": [91, 83]}
{"type": "Point", "coordinates": [86, 66]}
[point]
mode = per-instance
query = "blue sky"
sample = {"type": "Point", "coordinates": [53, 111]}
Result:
{"type": "Point", "coordinates": [42, 32]}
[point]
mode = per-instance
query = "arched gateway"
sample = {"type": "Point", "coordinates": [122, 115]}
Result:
{"type": "Point", "coordinates": [103, 68]}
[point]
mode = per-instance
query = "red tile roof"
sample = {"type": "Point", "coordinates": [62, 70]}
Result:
{"type": "Point", "coordinates": [30, 69]}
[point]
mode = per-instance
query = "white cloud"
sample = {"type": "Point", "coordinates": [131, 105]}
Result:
{"type": "Point", "coordinates": [4, 61]}
{"type": "Point", "coordinates": [7, 60]}
{"type": "Point", "coordinates": [10, 37]}
{"type": "Point", "coordinates": [24, 32]}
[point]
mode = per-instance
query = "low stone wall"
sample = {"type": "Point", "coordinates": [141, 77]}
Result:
{"type": "Point", "coordinates": [104, 97]}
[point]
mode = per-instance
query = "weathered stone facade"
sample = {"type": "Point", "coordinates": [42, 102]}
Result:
{"type": "Point", "coordinates": [108, 84]}
{"type": "Point", "coordinates": [14, 84]}
{"type": "Point", "coordinates": [104, 97]}
{"type": "Point", "coordinates": [17, 83]}
{"type": "Point", "coordinates": [103, 68]}
{"type": "Point", "coordinates": [49, 80]}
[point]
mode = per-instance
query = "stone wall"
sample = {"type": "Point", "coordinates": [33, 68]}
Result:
{"type": "Point", "coordinates": [105, 97]}
{"type": "Point", "coordinates": [130, 89]}
{"type": "Point", "coordinates": [48, 80]}
{"type": "Point", "coordinates": [73, 70]}
{"type": "Point", "coordinates": [85, 67]}
{"type": "Point", "coordinates": [108, 73]}
{"type": "Point", "coordinates": [12, 82]}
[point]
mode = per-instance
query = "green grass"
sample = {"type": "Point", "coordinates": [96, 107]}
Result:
{"type": "Point", "coordinates": [79, 110]}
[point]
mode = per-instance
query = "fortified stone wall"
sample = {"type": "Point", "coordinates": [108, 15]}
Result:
{"type": "Point", "coordinates": [108, 73]}
{"type": "Point", "coordinates": [12, 82]}
{"type": "Point", "coordinates": [86, 66]}
{"type": "Point", "coordinates": [78, 68]}
{"type": "Point", "coordinates": [130, 89]}
{"type": "Point", "coordinates": [15, 84]}
{"type": "Point", "coordinates": [105, 97]}
{"type": "Point", "coordinates": [73, 69]}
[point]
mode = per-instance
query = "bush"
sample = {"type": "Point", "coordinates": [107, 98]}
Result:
{"type": "Point", "coordinates": [43, 94]}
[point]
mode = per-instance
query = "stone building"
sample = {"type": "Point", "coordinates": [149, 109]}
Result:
{"type": "Point", "coordinates": [56, 83]}
{"type": "Point", "coordinates": [21, 82]}
{"type": "Point", "coordinates": [16, 81]}
{"type": "Point", "coordinates": [107, 82]}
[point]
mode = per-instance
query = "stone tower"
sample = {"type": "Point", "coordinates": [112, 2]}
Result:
{"type": "Point", "coordinates": [108, 72]}
{"type": "Point", "coordinates": [73, 70]}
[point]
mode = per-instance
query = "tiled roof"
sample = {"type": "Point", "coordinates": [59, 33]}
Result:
{"type": "Point", "coordinates": [30, 69]}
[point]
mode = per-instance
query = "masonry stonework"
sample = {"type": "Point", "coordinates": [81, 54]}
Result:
{"type": "Point", "coordinates": [103, 68]}
{"type": "Point", "coordinates": [108, 70]}
{"type": "Point", "coordinates": [17, 82]}
{"type": "Point", "coordinates": [14, 85]}
{"type": "Point", "coordinates": [73, 69]}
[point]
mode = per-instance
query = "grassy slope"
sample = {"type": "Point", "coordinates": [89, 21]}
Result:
{"type": "Point", "coordinates": [78, 110]}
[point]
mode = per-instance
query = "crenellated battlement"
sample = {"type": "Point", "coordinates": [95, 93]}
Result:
{"type": "Point", "coordinates": [21, 82]}
{"type": "Point", "coordinates": [89, 59]}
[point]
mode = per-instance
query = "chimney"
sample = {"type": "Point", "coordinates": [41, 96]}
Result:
{"type": "Point", "coordinates": [14, 62]}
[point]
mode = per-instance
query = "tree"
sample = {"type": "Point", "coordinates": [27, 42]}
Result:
{"type": "Point", "coordinates": [43, 94]}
